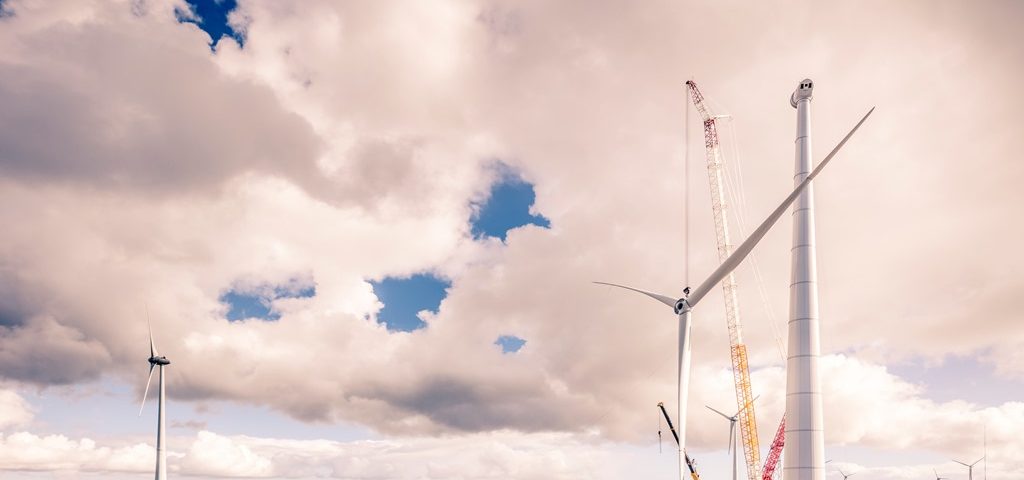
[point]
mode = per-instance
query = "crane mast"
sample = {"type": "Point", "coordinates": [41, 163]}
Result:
{"type": "Point", "coordinates": [737, 350]}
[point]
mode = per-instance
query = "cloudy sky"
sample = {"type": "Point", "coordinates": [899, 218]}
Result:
{"type": "Point", "coordinates": [365, 233]}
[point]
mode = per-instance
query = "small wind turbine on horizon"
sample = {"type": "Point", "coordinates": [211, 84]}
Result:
{"type": "Point", "coordinates": [732, 432]}
{"type": "Point", "coordinates": [845, 476]}
{"type": "Point", "coordinates": [683, 305]}
{"type": "Point", "coordinates": [156, 360]}
{"type": "Point", "coordinates": [937, 477]}
{"type": "Point", "coordinates": [970, 468]}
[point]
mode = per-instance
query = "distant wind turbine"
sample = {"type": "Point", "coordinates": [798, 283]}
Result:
{"type": "Point", "coordinates": [682, 306]}
{"type": "Point", "coordinates": [937, 477]}
{"type": "Point", "coordinates": [970, 468]}
{"type": "Point", "coordinates": [732, 432]}
{"type": "Point", "coordinates": [156, 360]}
{"type": "Point", "coordinates": [845, 476]}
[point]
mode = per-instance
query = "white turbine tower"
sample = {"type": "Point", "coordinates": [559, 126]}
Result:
{"type": "Point", "coordinates": [732, 433]}
{"type": "Point", "coordinates": [685, 304]}
{"type": "Point", "coordinates": [804, 436]}
{"type": "Point", "coordinates": [155, 360]}
{"type": "Point", "coordinates": [970, 468]}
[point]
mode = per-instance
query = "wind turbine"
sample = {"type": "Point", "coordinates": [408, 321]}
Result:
{"type": "Point", "coordinates": [732, 432]}
{"type": "Point", "coordinates": [970, 468]}
{"type": "Point", "coordinates": [156, 360]}
{"type": "Point", "coordinates": [682, 306]}
{"type": "Point", "coordinates": [937, 477]}
{"type": "Point", "coordinates": [845, 476]}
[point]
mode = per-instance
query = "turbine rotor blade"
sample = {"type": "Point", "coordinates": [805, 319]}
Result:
{"type": "Point", "coordinates": [661, 298]}
{"type": "Point", "coordinates": [744, 249]}
{"type": "Point", "coordinates": [751, 402]}
{"type": "Point", "coordinates": [720, 413]}
{"type": "Point", "coordinates": [152, 346]}
{"type": "Point", "coordinates": [146, 393]}
{"type": "Point", "coordinates": [961, 463]}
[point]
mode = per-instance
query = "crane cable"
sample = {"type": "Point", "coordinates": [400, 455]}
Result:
{"type": "Point", "coordinates": [686, 189]}
{"type": "Point", "coordinates": [736, 192]}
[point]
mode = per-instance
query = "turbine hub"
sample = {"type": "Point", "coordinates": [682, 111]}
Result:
{"type": "Point", "coordinates": [681, 306]}
{"type": "Point", "coordinates": [159, 361]}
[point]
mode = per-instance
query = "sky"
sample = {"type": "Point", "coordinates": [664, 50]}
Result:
{"type": "Point", "coordinates": [364, 234]}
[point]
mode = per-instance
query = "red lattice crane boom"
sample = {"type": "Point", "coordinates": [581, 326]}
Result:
{"type": "Point", "coordinates": [775, 452]}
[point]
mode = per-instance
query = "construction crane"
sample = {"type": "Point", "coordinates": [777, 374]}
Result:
{"type": "Point", "coordinates": [689, 462]}
{"type": "Point", "coordinates": [775, 452]}
{"type": "Point", "coordinates": [737, 350]}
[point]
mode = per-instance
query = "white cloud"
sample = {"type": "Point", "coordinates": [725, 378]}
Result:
{"type": "Point", "coordinates": [218, 456]}
{"type": "Point", "coordinates": [504, 455]}
{"type": "Point", "coordinates": [14, 410]}
{"type": "Point", "coordinates": [27, 451]}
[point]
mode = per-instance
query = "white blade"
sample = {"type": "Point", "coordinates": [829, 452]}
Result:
{"type": "Point", "coordinates": [152, 346]}
{"type": "Point", "coordinates": [751, 402]}
{"type": "Point", "coordinates": [146, 393]}
{"type": "Point", "coordinates": [744, 249]}
{"type": "Point", "coordinates": [961, 463]}
{"type": "Point", "coordinates": [661, 298]}
{"type": "Point", "coordinates": [720, 413]}
{"type": "Point", "coordinates": [976, 462]}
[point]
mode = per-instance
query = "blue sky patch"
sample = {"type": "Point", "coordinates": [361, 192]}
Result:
{"type": "Point", "coordinates": [507, 207]}
{"type": "Point", "coordinates": [212, 17]}
{"type": "Point", "coordinates": [257, 302]}
{"type": "Point", "coordinates": [510, 343]}
{"type": "Point", "coordinates": [403, 298]}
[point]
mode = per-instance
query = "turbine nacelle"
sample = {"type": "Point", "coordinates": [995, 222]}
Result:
{"type": "Point", "coordinates": [802, 92]}
{"type": "Point", "coordinates": [159, 361]}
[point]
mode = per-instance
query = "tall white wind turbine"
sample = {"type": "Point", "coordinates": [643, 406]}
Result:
{"type": "Point", "coordinates": [732, 433]}
{"type": "Point", "coordinates": [156, 360]}
{"type": "Point", "coordinates": [685, 304]}
{"type": "Point", "coordinates": [970, 468]}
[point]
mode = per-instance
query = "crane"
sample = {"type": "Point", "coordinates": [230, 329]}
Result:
{"type": "Point", "coordinates": [737, 350]}
{"type": "Point", "coordinates": [775, 452]}
{"type": "Point", "coordinates": [689, 462]}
